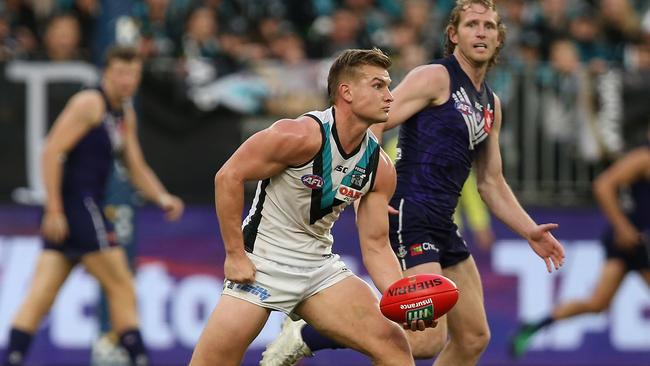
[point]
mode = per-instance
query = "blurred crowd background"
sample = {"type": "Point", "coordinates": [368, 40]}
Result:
{"type": "Point", "coordinates": [573, 77]}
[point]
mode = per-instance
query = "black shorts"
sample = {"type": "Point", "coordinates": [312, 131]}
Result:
{"type": "Point", "coordinates": [419, 235]}
{"type": "Point", "coordinates": [635, 259]}
{"type": "Point", "coordinates": [89, 230]}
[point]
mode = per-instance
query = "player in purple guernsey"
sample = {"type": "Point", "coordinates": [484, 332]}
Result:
{"type": "Point", "coordinates": [626, 241]}
{"type": "Point", "coordinates": [96, 127]}
{"type": "Point", "coordinates": [450, 121]}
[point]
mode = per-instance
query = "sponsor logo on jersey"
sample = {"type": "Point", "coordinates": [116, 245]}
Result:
{"type": "Point", "coordinates": [347, 194]}
{"type": "Point", "coordinates": [253, 289]}
{"type": "Point", "coordinates": [420, 248]}
{"type": "Point", "coordinates": [312, 181]}
{"type": "Point", "coordinates": [416, 249]}
{"type": "Point", "coordinates": [341, 168]}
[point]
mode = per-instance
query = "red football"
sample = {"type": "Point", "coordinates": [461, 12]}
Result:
{"type": "Point", "coordinates": [422, 296]}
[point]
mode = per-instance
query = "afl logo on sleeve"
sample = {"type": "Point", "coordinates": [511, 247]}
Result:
{"type": "Point", "coordinates": [312, 181]}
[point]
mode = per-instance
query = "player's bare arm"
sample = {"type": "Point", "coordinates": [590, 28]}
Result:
{"type": "Point", "coordinates": [632, 167]}
{"type": "Point", "coordinates": [498, 196]}
{"type": "Point", "coordinates": [372, 223]}
{"type": "Point", "coordinates": [425, 85]}
{"type": "Point", "coordinates": [141, 173]}
{"type": "Point", "coordinates": [265, 154]}
{"type": "Point", "coordinates": [82, 113]}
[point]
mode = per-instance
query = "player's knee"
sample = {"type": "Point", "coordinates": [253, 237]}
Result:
{"type": "Point", "coordinates": [390, 345]}
{"type": "Point", "coordinates": [598, 305]}
{"type": "Point", "coordinates": [474, 342]}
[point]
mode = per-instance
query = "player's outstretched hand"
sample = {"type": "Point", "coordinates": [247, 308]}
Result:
{"type": "Point", "coordinates": [546, 246]}
{"type": "Point", "coordinates": [239, 268]}
{"type": "Point", "coordinates": [172, 205]}
{"type": "Point", "coordinates": [420, 325]}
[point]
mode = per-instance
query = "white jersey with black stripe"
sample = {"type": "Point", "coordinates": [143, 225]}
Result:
{"type": "Point", "coordinates": [292, 215]}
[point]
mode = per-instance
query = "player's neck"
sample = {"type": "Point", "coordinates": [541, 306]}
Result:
{"type": "Point", "coordinates": [114, 100]}
{"type": "Point", "coordinates": [350, 129]}
{"type": "Point", "coordinates": [475, 72]}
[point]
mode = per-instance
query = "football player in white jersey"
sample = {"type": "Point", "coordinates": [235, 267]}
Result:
{"type": "Point", "coordinates": [306, 203]}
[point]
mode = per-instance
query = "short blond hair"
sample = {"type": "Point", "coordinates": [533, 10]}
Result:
{"type": "Point", "coordinates": [347, 63]}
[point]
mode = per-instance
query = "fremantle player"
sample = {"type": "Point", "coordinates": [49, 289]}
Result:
{"type": "Point", "coordinates": [449, 120]}
{"type": "Point", "coordinates": [94, 128]}
{"type": "Point", "coordinates": [310, 169]}
{"type": "Point", "coordinates": [626, 241]}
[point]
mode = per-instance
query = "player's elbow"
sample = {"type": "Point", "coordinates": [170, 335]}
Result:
{"type": "Point", "coordinates": [484, 188]}
{"type": "Point", "coordinates": [51, 154]}
{"type": "Point", "coordinates": [489, 184]}
{"type": "Point", "coordinates": [222, 177]}
{"type": "Point", "coordinates": [601, 186]}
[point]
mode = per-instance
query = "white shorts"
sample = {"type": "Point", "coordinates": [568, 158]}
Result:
{"type": "Point", "coordinates": [281, 287]}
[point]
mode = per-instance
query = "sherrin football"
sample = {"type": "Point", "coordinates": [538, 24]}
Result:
{"type": "Point", "coordinates": [422, 296]}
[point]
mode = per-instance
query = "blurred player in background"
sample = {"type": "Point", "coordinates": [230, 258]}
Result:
{"type": "Point", "coordinates": [95, 126]}
{"type": "Point", "coordinates": [310, 169]}
{"type": "Point", "coordinates": [450, 118]}
{"type": "Point", "coordinates": [626, 241]}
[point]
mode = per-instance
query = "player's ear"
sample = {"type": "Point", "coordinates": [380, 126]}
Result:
{"type": "Point", "coordinates": [452, 34]}
{"type": "Point", "coordinates": [345, 92]}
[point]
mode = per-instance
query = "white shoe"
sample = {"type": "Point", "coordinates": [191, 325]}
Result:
{"type": "Point", "coordinates": [288, 348]}
{"type": "Point", "coordinates": [106, 351]}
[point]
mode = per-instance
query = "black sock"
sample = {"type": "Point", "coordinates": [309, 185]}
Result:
{"type": "Point", "coordinates": [315, 341]}
{"type": "Point", "coordinates": [131, 340]}
{"type": "Point", "coordinates": [19, 343]}
{"type": "Point", "coordinates": [542, 323]}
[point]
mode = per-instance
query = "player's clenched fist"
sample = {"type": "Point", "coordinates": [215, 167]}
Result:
{"type": "Point", "coordinates": [239, 268]}
{"type": "Point", "coordinates": [54, 226]}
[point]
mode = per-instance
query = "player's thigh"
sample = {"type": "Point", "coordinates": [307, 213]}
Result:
{"type": "Point", "coordinates": [431, 339]}
{"type": "Point", "coordinates": [467, 318]}
{"type": "Point", "coordinates": [348, 312]}
{"type": "Point", "coordinates": [110, 267]}
{"type": "Point", "coordinates": [232, 326]}
{"type": "Point", "coordinates": [610, 279]}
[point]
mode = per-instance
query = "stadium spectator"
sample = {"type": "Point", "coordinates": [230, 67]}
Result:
{"type": "Point", "coordinates": [23, 26]}
{"type": "Point", "coordinates": [61, 41]}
